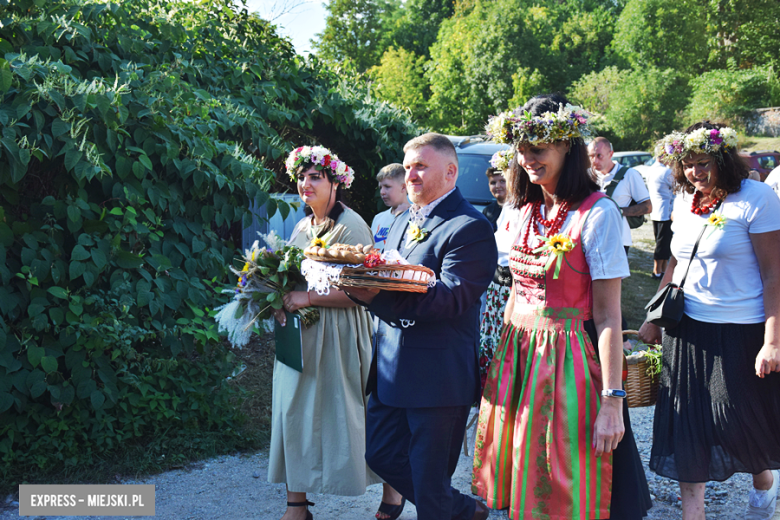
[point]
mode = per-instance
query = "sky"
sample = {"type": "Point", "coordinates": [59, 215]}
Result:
{"type": "Point", "coordinates": [300, 25]}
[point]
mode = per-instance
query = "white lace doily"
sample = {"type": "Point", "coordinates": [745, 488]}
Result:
{"type": "Point", "coordinates": [321, 275]}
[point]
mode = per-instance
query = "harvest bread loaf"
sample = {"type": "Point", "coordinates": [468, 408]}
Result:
{"type": "Point", "coordinates": [339, 253]}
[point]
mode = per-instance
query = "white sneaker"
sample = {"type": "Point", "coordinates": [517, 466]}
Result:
{"type": "Point", "coordinates": [761, 503]}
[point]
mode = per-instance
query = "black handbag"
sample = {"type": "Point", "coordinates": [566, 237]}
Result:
{"type": "Point", "coordinates": [667, 306]}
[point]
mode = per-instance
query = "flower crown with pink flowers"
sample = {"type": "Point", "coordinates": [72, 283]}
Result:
{"type": "Point", "coordinates": [570, 122]}
{"type": "Point", "coordinates": [677, 145]}
{"type": "Point", "coordinates": [501, 159]}
{"type": "Point", "coordinates": [323, 160]}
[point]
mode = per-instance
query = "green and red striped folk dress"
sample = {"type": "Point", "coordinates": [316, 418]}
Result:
{"type": "Point", "coordinates": [534, 447]}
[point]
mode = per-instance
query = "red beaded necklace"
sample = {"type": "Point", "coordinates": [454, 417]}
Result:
{"type": "Point", "coordinates": [553, 225]}
{"type": "Point", "coordinates": [702, 210]}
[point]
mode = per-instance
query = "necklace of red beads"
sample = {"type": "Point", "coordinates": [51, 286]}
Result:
{"type": "Point", "coordinates": [698, 209]}
{"type": "Point", "coordinates": [553, 224]}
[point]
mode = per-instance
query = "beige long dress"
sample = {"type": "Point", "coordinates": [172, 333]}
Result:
{"type": "Point", "coordinates": [318, 432]}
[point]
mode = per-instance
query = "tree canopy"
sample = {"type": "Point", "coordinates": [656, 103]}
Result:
{"type": "Point", "coordinates": [491, 55]}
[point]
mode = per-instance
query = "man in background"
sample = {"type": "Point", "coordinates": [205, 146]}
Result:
{"type": "Point", "coordinates": [660, 183]}
{"type": "Point", "coordinates": [392, 189]}
{"type": "Point", "coordinates": [623, 184]}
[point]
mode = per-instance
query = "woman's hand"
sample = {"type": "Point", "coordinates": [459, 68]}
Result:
{"type": "Point", "coordinates": [295, 300]}
{"type": "Point", "coordinates": [609, 428]}
{"type": "Point", "coordinates": [768, 360]}
{"type": "Point", "coordinates": [650, 333]}
{"type": "Point", "coordinates": [280, 317]}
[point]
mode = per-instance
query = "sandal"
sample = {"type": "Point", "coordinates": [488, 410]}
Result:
{"type": "Point", "coordinates": [392, 511]}
{"type": "Point", "coordinates": [305, 503]}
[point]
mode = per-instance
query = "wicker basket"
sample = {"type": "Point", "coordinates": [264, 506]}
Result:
{"type": "Point", "coordinates": [641, 388]}
{"type": "Point", "coordinates": [405, 278]}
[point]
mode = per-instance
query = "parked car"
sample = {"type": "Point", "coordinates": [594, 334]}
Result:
{"type": "Point", "coordinates": [474, 153]}
{"type": "Point", "coordinates": [763, 161]}
{"type": "Point", "coordinates": [632, 159]}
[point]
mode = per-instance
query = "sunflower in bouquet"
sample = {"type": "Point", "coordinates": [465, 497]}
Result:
{"type": "Point", "coordinates": [267, 275]}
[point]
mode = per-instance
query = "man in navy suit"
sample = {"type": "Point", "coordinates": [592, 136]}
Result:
{"type": "Point", "coordinates": [424, 375]}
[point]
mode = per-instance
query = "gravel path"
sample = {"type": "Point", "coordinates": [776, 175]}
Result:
{"type": "Point", "coordinates": [234, 487]}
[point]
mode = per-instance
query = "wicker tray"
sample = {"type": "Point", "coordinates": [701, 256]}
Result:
{"type": "Point", "coordinates": [405, 278]}
{"type": "Point", "coordinates": [327, 260]}
{"type": "Point", "coordinates": [641, 388]}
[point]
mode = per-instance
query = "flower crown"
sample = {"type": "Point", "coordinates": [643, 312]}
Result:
{"type": "Point", "coordinates": [570, 122]}
{"type": "Point", "coordinates": [500, 160]}
{"type": "Point", "coordinates": [677, 145]}
{"type": "Point", "coordinates": [323, 160]}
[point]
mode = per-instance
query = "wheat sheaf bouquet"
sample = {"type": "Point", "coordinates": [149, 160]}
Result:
{"type": "Point", "coordinates": [268, 274]}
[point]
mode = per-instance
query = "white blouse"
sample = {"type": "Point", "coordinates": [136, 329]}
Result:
{"type": "Point", "coordinates": [724, 281]}
{"type": "Point", "coordinates": [602, 239]}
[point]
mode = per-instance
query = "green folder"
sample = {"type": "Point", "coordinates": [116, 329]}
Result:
{"type": "Point", "coordinates": [289, 342]}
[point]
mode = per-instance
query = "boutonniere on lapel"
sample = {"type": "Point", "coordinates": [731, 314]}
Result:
{"type": "Point", "coordinates": [415, 234]}
{"type": "Point", "coordinates": [556, 247]}
{"type": "Point", "coordinates": [716, 221]}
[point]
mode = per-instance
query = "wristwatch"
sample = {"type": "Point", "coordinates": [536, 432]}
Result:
{"type": "Point", "coordinates": [613, 392]}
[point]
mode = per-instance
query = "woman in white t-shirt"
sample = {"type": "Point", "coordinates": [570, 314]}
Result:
{"type": "Point", "coordinates": [718, 410]}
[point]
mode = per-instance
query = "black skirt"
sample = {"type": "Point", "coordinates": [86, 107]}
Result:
{"type": "Point", "coordinates": [630, 493]}
{"type": "Point", "coordinates": [714, 417]}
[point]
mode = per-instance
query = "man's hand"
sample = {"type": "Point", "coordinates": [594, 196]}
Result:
{"type": "Point", "coordinates": [361, 294]}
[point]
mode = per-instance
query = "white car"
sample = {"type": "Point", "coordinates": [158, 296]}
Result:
{"type": "Point", "coordinates": [633, 159]}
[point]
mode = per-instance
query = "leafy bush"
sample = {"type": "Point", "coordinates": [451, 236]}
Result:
{"type": "Point", "coordinates": [729, 96]}
{"type": "Point", "coordinates": [645, 106]}
{"type": "Point", "coordinates": [594, 91]}
{"type": "Point", "coordinates": [133, 138]}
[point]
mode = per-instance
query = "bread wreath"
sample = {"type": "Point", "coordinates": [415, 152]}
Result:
{"type": "Point", "coordinates": [339, 253]}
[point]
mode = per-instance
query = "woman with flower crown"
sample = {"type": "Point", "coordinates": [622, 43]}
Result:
{"type": "Point", "coordinates": [318, 439]}
{"type": "Point", "coordinates": [554, 438]}
{"type": "Point", "coordinates": [718, 409]}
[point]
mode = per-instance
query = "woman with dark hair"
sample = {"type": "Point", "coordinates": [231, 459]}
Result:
{"type": "Point", "coordinates": [554, 438]}
{"type": "Point", "coordinates": [718, 409]}
{"type": "Point", "coordinates": [318, 430]}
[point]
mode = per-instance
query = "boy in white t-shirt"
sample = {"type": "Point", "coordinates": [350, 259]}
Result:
{"type": "Point", "coordinates": [392, 189]}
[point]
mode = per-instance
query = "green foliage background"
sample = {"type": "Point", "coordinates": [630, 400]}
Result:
{"type": "Point", "coordinates": [134, 136]}
{"type": "Point", "coordinates": [492, 55]}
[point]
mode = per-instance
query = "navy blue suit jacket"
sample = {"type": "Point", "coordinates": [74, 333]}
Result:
{"type": "Point", "coordinates": [434, 361]}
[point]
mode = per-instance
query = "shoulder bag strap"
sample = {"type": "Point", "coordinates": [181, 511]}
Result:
{"type": "Point", "coordinates": [615, 180]}
{"type": "Point", "coordinates": [693, 253]}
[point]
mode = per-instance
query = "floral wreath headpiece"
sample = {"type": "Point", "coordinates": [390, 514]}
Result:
{"type": "Point", "coordinates": [500, 160]}
{"type": "Point", "coordinates": [323, 160]}
{"type": "Point", "coordinates": [677, 145]}
{"type": "Point", "coordinates": [570, 122]}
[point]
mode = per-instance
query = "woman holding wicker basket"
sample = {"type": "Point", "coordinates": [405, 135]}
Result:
{"type": "Point", "coordinates": [718, 409]}
{"type": "Point", "coordinates": [554, 438]}
{"type": "Point", "coordinates": [318, 438]}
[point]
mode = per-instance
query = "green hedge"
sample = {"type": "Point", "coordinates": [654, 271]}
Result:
{"type": "Point", "coordinates": [133, 137]}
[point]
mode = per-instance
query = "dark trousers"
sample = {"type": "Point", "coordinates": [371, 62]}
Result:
{"type": "Point", "coordinates": [416, 451]}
